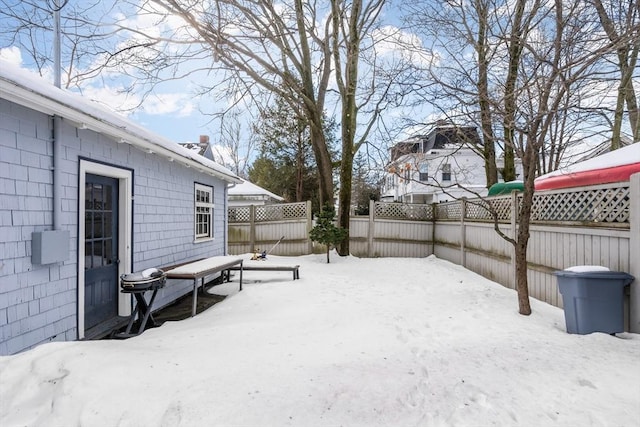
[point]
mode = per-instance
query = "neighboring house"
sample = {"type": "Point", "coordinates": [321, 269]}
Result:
{"type": "Point", "coordinates": [436, 167]}
{"type": "Point", "coordinates": [203, 147]}
{"type": "Point", "coordinates": [248, 193]}
{"type": "Point", "coordinates": [85, 196]}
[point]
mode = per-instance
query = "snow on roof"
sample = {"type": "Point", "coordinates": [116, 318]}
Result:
{"type": "Point", "coordinates": [622, 156]}
{"type": "Point", "coordinates": [27, 89]}
{"type": "Point", "coordinates": [247, 188]}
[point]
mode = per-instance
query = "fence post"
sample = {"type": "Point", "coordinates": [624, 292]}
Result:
{"type": "Point", "coordinates": [252, 228]}
{"type": "Point", "coordinates": [463, 250]}
{"type": "Point", "coordinates": [372, 224]}
{"type": "Point", "coordinates": [434, 210]}
{"type": "Point", "coordinates": [514, 236]}
{"type": "Point", "coordinates": [634, 253]}
{"type": "Point", "coordinates": [309, 227]}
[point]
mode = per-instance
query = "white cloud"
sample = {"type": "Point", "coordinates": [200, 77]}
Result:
{"type": "Point", "coordinates": [112, 98]}
{"type": "Point", "coordinates": [12, 55]}
{"type": "Point", "coordinates": [177, 104]}
{"type": "Point", "coordinates": [169, 103]}
{"type": "Point", "coordinates": [391, 41]}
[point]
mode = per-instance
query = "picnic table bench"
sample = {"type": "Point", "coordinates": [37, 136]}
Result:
{"type": "Point", "coordinates": [263, 266]}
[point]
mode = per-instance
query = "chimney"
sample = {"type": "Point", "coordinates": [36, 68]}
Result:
{"type": "Point", "coordinates": [204, 141]}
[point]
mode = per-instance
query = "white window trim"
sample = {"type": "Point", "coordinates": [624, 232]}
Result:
{"type": "Point", "coordinates": [196, 205]}
{"type": "Point", "coordinates": [125, 179]}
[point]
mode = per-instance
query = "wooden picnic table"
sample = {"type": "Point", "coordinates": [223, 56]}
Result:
{"type": "Point", "coordinates": [198, 270]}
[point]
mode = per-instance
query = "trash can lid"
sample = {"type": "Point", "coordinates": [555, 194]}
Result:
{"type": "Point", "coordinates": [586, 268]}
{"type": "Point", "coordinates": [601, 274]}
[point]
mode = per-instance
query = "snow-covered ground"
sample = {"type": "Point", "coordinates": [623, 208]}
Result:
{"type": "Point", "coordinates": [358, 342]}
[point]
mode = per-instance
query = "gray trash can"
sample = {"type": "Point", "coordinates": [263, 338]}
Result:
{"type": "Point", "coordinates": [593, 299]}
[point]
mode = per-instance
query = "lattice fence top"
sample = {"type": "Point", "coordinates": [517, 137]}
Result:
{"type": "Point", "coordinates": [404, 211]}
{"type": "Point", "coordinates": [265, 213]}
{"type": "Point", "coordinates": [606, 204]}
{"type": "Point", "coordinates": [480, 209]}
{"type": "Point", "coordinates": [451, 210]}
{"type": "Point", "coordinates": [239, 214]}
{"type": "Point", "coordinates": [596, 204]}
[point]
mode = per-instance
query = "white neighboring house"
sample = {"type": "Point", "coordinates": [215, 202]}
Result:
{"type": "Point", "coordinates": [437, 167]}
{"type": "Point", "coordinates": [248, 193]}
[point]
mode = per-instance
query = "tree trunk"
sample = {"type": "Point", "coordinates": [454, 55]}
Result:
{"type": "Point", "coordinates": [489, 150]}
{"type": "Point", "coordinates": [522, 281]}
{"type": "Point", "coordinates": [344, 201]}
{"type": "Point", "coordinates": [300, 167]}
{"type": "Point", "coordinates": [348, 89]}
{"type": "Point", "coordinates": [630, 96]}
{"type": "Point", "coordinates": [323, 161]}
{"type": "Point", "coordinates": [524, 222]}
{"type": "Point", "coordinates": [510, 107]}
{"type": "Point", "coordinates": [617, 120]}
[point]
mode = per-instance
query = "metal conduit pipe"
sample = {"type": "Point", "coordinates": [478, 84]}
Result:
{"type": "Point", "coordinates": [57, 123]}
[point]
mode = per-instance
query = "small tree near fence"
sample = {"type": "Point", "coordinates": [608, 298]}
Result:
{"type": "Point", "coordinates": [325, 231]}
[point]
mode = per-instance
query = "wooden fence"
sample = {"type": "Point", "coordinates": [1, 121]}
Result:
{"type": "Point", "coordinates": [598, 225]}
{"type": "Point", "coordinates": [259, 228]}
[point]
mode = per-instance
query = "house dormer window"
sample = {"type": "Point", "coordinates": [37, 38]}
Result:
{"type": "Point", "coordinates": [203, 212]}
{"type": "Point", "coordinates": [446, 172]}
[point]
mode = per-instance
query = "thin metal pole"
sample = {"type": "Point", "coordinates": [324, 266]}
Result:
{"type": "Point", "coordinates": [57, 57]}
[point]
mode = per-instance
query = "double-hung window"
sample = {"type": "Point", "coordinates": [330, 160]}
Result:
{"type": "Point", "coordinates": [424, 172]}
{"type": "Point", "coordinates": [203, 212]}
{"type": "Point", "coordinates": [446, 172]}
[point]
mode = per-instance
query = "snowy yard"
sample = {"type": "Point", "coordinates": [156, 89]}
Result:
{"type": "Point", "coordinates": [358, 342]}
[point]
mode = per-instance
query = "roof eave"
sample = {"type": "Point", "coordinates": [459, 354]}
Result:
{"type": "Point", "coordinates": [45, 104]}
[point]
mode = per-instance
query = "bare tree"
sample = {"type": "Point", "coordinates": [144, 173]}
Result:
{"type": "Point", "coordinates": [280, 48]}
{"type": "Point", "coordinates": [562, 53]}
{"type": "Point", "coordinates": [296, 50]}
{"type": "Point", "coordinates": [540, 56]}
{"type": "Point", "coordinates": [620, 20]}
{"type": "Point", "coordinates": [460, 85]}
{"type": "Point", "coordinates": [87, 39]}
{"type": "Point", "coordinates": [235, 144]}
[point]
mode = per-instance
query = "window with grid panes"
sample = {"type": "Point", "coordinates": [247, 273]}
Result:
{"type": "Point", "coordinates": [424, 172]}
{"type": "Point", "coordinates": [203, 212]}
{"type": "Point", "coordinates": [446, 172]}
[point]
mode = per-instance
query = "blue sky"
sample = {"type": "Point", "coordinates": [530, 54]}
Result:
{"type": "Point", "coordinates": [173, 110]}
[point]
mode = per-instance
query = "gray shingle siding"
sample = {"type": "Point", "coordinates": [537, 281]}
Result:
{"type": "Point", "coordinates": [38, 303]}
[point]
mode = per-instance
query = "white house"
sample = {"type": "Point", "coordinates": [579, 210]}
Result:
{"type": "Point", "coordinates": [86, 196]}
{"type": "Point", "coordinates": [248, 193]}
{"type": "Point", "coordinates": [438, 167]}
